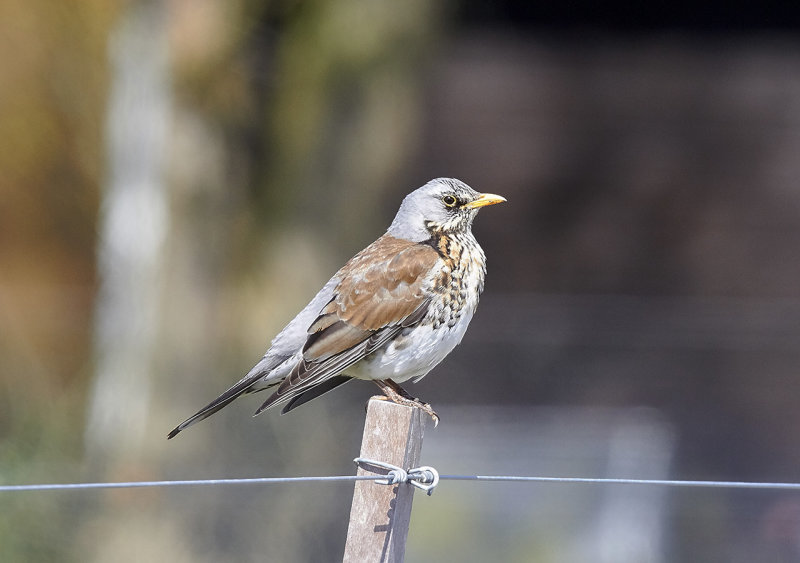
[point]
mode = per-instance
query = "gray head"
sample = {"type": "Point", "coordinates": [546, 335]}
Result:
{"type": "Point", "coordinates": [442, 206]}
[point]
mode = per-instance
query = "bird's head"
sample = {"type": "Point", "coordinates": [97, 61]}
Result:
{"type": "Point", "coordinates": [442, 206]}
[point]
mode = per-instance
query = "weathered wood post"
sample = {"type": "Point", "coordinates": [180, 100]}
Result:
{"type": "Point", "coordinates": [380, 514]}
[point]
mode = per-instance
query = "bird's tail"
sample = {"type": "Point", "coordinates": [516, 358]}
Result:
{"type": "Point", "coordinates": [242, 386]}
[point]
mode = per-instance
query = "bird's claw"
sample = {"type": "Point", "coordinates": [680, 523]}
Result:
{"type": "Point", "coordinates": [427, 409]}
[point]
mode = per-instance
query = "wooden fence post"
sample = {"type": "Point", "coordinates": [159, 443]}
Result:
{"type": "Point", "coordinates": [380, 514]}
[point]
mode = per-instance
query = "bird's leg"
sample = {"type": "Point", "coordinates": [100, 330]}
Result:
{"type": "Point", "coordinates": [400, 396]}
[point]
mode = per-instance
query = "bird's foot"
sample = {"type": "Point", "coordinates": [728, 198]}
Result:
{"type": "Point", "coordinates": [396, 394]}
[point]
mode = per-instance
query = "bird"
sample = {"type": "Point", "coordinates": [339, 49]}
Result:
{"type": "Point", "coordinates": [390, 314]}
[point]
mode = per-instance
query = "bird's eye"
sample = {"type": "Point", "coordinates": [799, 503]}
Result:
{"type": "Point", "coordinates": [449, 200]}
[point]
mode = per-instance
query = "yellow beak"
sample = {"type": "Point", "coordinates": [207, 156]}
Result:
{"type": "Point", "coordinates": [485, 199]}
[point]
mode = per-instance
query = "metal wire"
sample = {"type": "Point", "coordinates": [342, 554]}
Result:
{"type": "Point", "coordinates": [654, 482]}
{"type": "Point", "coordinates": [487, 478]}
{"type": "Point", "coordinates": [134, 484]}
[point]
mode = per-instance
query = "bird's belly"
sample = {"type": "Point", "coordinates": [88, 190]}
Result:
{"type": "Point", "coordinates": [413, 353]}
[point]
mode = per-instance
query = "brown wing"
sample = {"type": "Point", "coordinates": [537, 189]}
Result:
{"type": "Point", "coordinates": [382, 290]}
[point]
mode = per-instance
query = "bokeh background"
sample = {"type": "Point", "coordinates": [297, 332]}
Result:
{"type": "Point", "coordinates": [178, 178]}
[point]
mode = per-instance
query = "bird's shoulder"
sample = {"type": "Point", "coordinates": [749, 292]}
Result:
{"type": "Point", "coordinates": [385, 283]}
{"type": "Point", "coordinates": [380, 286]}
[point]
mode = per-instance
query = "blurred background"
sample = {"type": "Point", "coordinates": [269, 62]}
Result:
{"type": "Point", "coordinates": [179, 177]}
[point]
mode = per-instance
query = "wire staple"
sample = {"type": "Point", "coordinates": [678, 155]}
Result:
{"type": "Point", "coordinates": [424, 478]}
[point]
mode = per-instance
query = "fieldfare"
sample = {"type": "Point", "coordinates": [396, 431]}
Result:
{"type": "Point", "coordinates": [391, 314]}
